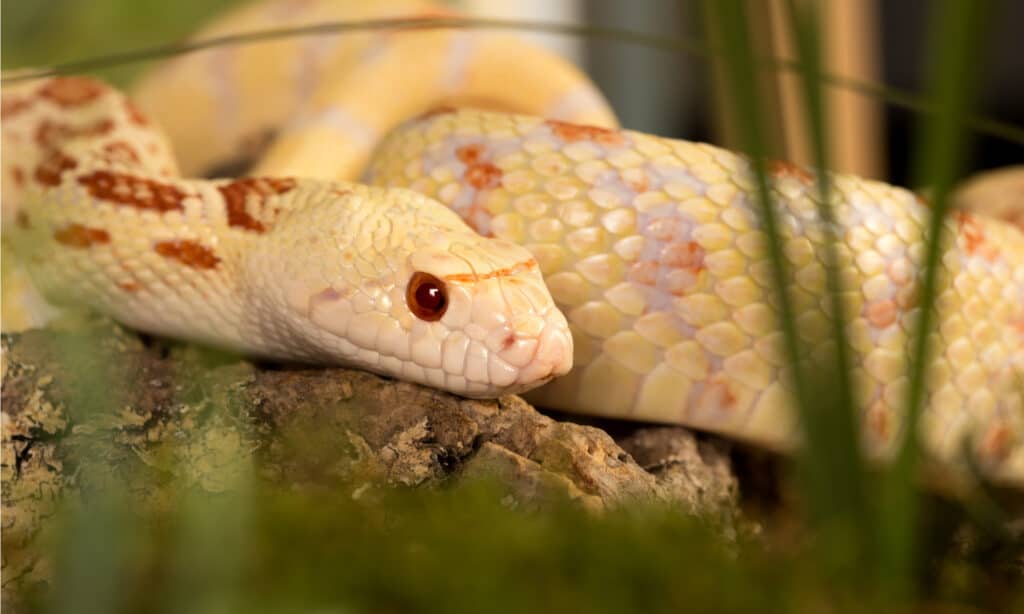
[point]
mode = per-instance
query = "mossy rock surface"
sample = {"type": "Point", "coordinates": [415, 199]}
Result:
{"type": "Point", "coordinates": [91, 407]}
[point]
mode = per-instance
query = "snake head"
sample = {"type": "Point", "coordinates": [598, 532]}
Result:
{"type": "Point", "coordinates": [401, 286]}
{"type": "Point", "coordinates": [482, 314]}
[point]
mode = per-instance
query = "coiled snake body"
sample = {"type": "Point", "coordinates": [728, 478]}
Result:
{"type": "Point", "coordinates": [651, 247]}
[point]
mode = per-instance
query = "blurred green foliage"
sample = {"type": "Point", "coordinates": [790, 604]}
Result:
{"type": "Point", "coordinates": [459, 549]}
{"type": "Point", "coordinates": [45, 32]}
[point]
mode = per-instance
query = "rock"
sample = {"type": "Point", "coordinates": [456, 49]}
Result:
{"type": "Point", "coordinates": [698, 471]}
{"type": "Point", "coordinates": [93, 405]}
{"type": "Point", "coordinates": [527, 479]}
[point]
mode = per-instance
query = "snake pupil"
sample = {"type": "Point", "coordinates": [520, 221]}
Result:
{"type": "Point", "coordinates": [426, 296]}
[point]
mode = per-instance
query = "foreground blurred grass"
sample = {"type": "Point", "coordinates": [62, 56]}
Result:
{"type": "Point", "coordinates": [453, 550]}
{"type": "Point", "coordinates": [870, 521]}
{"type": "Point", "coordinates": [461, 549]}
{"type": "Point", "coordinates": [456, 550]}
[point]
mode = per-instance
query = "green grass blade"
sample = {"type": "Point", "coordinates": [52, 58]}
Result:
{"type": "Point", "coordinates": [831, 453]}
{"type": "Point", "coordinates": [729, 24]}
{"type": "Point", "coordinates": [955, 53]}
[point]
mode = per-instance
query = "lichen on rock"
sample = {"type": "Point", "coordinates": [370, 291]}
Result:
{"type": "Point", "coordinates": [94, 407]}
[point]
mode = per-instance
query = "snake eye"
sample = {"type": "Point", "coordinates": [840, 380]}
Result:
{"type": "Point", "coordinates": [426, 296]}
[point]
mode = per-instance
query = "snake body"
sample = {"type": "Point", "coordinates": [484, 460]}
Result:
{"type": "Point", "coordinates": [651, 247]}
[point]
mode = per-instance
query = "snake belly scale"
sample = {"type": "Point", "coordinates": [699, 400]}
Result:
{"type": "Point", "coordinates": [481, 229]}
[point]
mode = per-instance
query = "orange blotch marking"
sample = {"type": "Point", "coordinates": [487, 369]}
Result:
{"type": "Point", "coordinates": [50, 169]}
{"type": "Point", "coordinates": [237, 193]}
{"type": "Point", "coordinates": [882, 313]}
{"type": "Point", "coordinates": [971, 230]}
{"type": "Point", "coordinates": [989, 252]}
{"type": "Point", "coordinates": [644, 273]}
{"type": "Point", "coordinates": [689, 256]}
{"type": "Point", "coordinates": [10, 106]}
{"type": "Point", "coordinates": [478, 218]}
{"type": "Point", "coordinates": [639, 184]}
{"type": "Point", "coordinates": [785, 168]}
{"type": "Point", "coordinates": [18, 176]}
{"type": "Point", "coordinates": [132, 191]}
{"type": "Point", "coordinates": [129, 286]}
{"type": "Point", "coordinates": [79, 236]}
{"type": "Point", "coordinates": [51, 134]}
{"type": "Point", "coordinates": [469, 154]}
{"type": "Point", "coordinates": [570, 133]}
{"type": "Point", "coordinates": [120, 152]}
{"type": "Point", "coordinates": [717, 395]}
{"type": "Point", "coordinates": [22, 221]}
{"type": "Point", "coordinates": [483, 175]}
{"type": "Point", "coordinates": [974, 237]}
{"type": "Point", "coordinates": [997, 442]}
{"type": "Point", "coordinates": [72, 91]}
{"type": "Point", "coordinates": [518, 267]}
{"type": "Point", "coordinates": [190, 253]}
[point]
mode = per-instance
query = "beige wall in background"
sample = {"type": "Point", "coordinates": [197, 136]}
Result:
{"type": "Point", "coordinates": [557, 11]}
{"type": "Point", "coordinates": [851, 47]}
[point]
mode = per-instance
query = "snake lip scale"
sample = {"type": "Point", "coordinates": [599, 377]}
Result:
{"type": "Point", "coordinates": [532, 247]}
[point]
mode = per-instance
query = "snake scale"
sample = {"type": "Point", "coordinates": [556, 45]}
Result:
{"type": "Point", "coordinates": [532, 247]}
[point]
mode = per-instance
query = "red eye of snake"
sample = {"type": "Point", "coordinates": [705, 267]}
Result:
{"type": "Point", "coordinates": [426, 296]}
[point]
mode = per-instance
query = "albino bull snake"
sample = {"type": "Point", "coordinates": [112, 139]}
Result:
{"type": "Point", "coordinates": [650, 247]}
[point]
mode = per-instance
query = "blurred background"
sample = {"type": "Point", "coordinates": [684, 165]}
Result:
{"type": "Point", "coordinates": [666, 92]}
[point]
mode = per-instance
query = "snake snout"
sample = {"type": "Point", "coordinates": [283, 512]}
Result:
{"type": "Point", "coordinates": [550, 352]}
{"type": "Point", "coordinates": [555, 353]}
